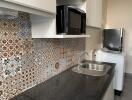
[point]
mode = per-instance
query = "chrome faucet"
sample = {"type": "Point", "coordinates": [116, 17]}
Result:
{"type": "Point", "coordinates": [80, 60]}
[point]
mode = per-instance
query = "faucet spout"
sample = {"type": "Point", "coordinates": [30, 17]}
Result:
{"type": "Point", "coordinates": [80, 60]}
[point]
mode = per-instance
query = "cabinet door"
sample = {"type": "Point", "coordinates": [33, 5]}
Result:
{"type": "Point", "coordinates": [44, 5]}
{"type": "Point", "coordinates": [94, 13]}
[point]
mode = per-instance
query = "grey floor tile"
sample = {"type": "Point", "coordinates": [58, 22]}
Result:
{"type": "Point", "coordinates": [127, 93]}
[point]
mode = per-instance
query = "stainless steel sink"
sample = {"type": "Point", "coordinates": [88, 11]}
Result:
{"type": "Point", "coordinates": [92, 69]}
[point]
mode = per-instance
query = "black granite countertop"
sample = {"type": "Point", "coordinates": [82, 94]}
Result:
{"type": "Point", "coordinates": [69, 85]}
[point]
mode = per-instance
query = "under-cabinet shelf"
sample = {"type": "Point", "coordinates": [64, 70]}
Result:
{"type": "Point", "coordinates": [64, 36]}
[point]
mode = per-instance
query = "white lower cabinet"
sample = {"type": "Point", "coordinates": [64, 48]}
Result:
{"type": "Point", "coordinates": [109, 95]}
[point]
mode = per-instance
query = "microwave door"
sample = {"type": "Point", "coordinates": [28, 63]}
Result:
{"type": "Point", "coordinates": [74, 23]}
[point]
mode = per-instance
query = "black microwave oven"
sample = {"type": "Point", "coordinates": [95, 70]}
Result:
{"type": "Point", "coordinates": [70, 20]}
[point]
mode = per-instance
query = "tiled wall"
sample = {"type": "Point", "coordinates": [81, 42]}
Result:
{"type": "Point", "coordinates": [26, 62]}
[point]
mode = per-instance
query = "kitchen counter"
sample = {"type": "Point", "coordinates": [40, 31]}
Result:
{"type": "Point", "coordinates": [69, 85]}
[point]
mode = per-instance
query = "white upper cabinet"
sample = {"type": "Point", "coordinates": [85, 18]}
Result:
{"type": "Point", "coordinates": [95, 13]}
{"type": "Point", "coordinates": [42, 5]}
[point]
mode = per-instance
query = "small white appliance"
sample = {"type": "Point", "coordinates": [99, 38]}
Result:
{"type": "Point", "coordinates": [118, 59]}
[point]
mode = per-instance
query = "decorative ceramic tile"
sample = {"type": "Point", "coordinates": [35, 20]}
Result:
{"type": "Point", "coordinates": [26, 62]}
{"type": "Point", "coordinates": [11, 66]}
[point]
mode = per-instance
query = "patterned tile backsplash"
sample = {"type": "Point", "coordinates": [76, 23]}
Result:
{"type": "Point", "coordinates": [26, 62]}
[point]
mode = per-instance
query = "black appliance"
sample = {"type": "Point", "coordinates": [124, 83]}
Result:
{"type": "Point", "coordinates": [113, 39]}
{"type": "Point", "coordinates": [70, 20]}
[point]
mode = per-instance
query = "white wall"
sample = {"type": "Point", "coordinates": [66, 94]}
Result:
{"type": "Point", "coordinates": [119, 14]}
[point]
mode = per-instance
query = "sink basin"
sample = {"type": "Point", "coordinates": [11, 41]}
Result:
{"type": "Point", "coordinates": [92, 69]}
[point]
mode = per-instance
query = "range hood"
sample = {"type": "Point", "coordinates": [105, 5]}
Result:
{"type": "Point", "coordinates": [8, 13]}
